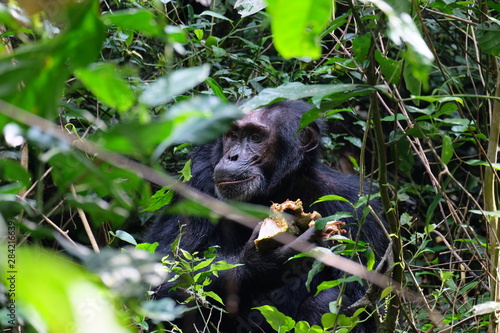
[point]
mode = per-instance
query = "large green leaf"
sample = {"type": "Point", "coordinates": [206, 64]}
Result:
{"type": "Point", "coordinates": [178, 82]}
{"type": "Point", "coordinates": [105, 82]}
{"type": "Point", "coordinates": [297, 26]}
{"type": "Point", "coordinates": [62, 295]}
{"type": "Point", "coordinates": [402, 29]}
{"type": "Point", "coordinates": [488, 36]}
{"type": "Point", "coordinates": [43, 68]}
{"type": "Point", "coordinates": [297, 90]}
{"type": "Point", "coordinates": [199, 120]}
{"type": "Point", "coordinates": [133, 138]}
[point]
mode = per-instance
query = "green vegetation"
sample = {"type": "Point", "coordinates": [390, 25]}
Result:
{"type": "Point", "coordinates": [98, 98]}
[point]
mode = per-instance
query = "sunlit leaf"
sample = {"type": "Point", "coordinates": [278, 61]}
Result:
{"type": "Point", "coordinates": [297, 26]}
{"type": "Point", "coordinates": [178, 82]}
{"type": "Point", "coordinates": [134, 19]}
{"type": "Point", "coordinates": [124, 236]}
{"type": "Point", "coordinates": [483, 163]}
{"type": "Point", "coordinates": [331, 197]}
{"type": "Point", "coordinates": [495, 213]}
{"type": "Point", "coordinates": [278, 321]}
{"type": "Point", "coordinates": [161, 198]}
{"type": "Point", "coordinates": [62, 295]}
{"type": "Point", "coordinates": [48, 63]}
{"type": "Point", "coordinates": [335, 283]}
{"type": "Point", "coordinates": [147, 247]}
{"type": "Point", "coordinates": [486, 307]}
{"type": "Point", "coordinates": [296, 90]}
{"type": "Point", "coordinates": [215, 15]}
{"type": "Point", "coordinates": [199, 120]}
{"type": "Point", "coordinates": [249, 7]}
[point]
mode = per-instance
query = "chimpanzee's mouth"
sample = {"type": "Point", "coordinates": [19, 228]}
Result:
{"type": "Point", "coordinates": [225, 182]}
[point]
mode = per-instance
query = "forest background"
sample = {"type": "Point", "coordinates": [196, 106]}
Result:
{"type": "Point", "coordinates": [101, 102]}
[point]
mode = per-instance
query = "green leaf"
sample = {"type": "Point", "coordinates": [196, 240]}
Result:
{"type": "Point", "coordinates": [12, 171]}
{"type": "Point", "coordinates": [35, 80]}
{"type": "Point", "coordinates": [136, 19]}
{"type": "Point", "coordinates": [216, 88]}
{"type": "Point", "coordinates": [57, 296]}
{"type": "Point", "coordinates": [412, 83]}
{"type": "Point", "coordinates": [214, 296]}
{"type": "Point", "coordinates": [105, 82]}
{"type": "Point", "coordinates": [304, 327]}
{"type": "Point", "coordinates": [134, 139]}
{"type": "Point", "coordinates": [218, 51]}
{"type": "Point", "coordinates": [391, 69]}
{"type": "Point", "coordinates": [297, 90]}
{"type": "Point", "coordinates": [446, 149]}
{"type": "Point", "coordinates": [151, 248]}
{"type": "Point", "coordinates": [164, 309]}
{"type": "Point", "coordinates": [403, 153]}
{"type": "Point", "coordinates": [316, 268]}
{"type": "Point", "coordinates": [331, 197]}
{"type": "Point", "coordinates": [249, 7]}
{"type": "Point", "coordinates": [495, 213]}
{"type": "Point", "coordinates": [396, 117]}
{"type": "Point", "coordinates": [487, 36]}
{"type": "Point", "coordinates": [386, 292]}
{"type": "Point", "coordinates": [199, 33]}
{"type": "Point", "coordinates": [338, 216]}
{"type": "Point", "coordinates": [403, 29]}
{"type": "Point", "coordinates": [186, 171]}
{"type": "Point", "coordinates": [455, 121]}
{"type": "Point", "coordinates": [124, 236]}
{"type": "Point", "coordinates": [335, 283]}
{"type": "Point", "coordinates": [177, 83]}
{"type": "Point", "coordinates": [214, 14]}
{"type": "Point", "coordinates": [198, 120]}
{"type": "Point", "coordinates": [278, 321]}
{"type": "Point", "coordinates": [361, 46]}
{"type": "Point", "coordinates": [483, 163]}
{"type": "Point", "coordinates": [370, 258]}
{"type": "Point", "coordinates": [100, 210]}
{"type": "Point", "coordinates": [222, 266]}
{"type": "Point", "coordinates": [161, 198]}
{"type": "Point", "coordinates": [297, 26]}
{"type": "Point", "coordinates": [203, 264]}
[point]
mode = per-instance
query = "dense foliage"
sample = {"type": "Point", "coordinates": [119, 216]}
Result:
{"type": "Point", "coordinates": [98, 98]}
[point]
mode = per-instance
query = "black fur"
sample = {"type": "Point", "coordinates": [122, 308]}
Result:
{"type": "Point", "coordinates": [295, 172]}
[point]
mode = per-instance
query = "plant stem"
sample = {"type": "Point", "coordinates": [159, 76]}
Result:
{"type": "Point", "coordinates": [491, 204]}
{"type": "Point", "coordinates": [393, 309]}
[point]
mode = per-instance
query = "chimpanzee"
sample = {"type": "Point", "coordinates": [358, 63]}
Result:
{"type": "Point", "coordinates": [265, 159]}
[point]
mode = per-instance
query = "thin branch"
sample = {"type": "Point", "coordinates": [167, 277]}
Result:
{"type": "Point", "coordinates": [86, 224]}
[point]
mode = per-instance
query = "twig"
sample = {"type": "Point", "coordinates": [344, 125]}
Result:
{"type": "Point", "coordinates": [49, 221]}
{"type": "Point", "coordinates": [86, 224]}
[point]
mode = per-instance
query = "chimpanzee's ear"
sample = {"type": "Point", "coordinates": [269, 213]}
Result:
{"type": "Point", "coordinates": [310, 137]}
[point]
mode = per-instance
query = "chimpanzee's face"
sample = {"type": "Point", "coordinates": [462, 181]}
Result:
{"type": "Point", "coordinates": [248, 154]}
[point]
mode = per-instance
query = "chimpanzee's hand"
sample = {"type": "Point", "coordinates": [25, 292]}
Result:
{"type": "Point", "coordinates": [279, 253]}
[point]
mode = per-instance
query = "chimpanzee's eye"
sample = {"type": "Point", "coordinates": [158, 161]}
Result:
{"type": "Point", "coordinates": [256, 138]}
{"type": "Point", "coordinates": [232, 135]}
